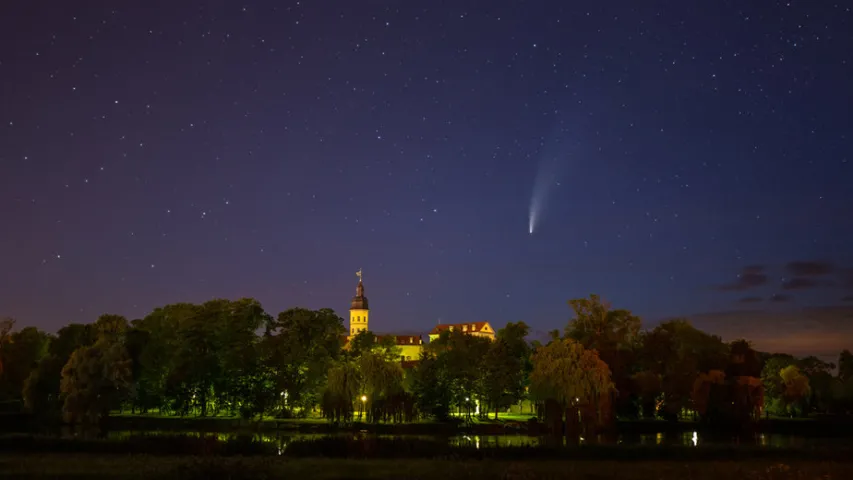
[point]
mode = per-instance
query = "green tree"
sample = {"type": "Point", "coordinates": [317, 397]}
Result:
{"type": "Point", "coordinates": [341, 391]}
{"type": "Point", "coordinates": [615, 335]}
{"type": "Point", "coordinates": [678, 353]}
{"type": "Point", "coordinates": [302, 345]}
{"type": "Point", "coordinates": [571, 379]}
{"type": "Point", "coordinates": [41, 389]}
{"type": "Point", "coordinates": [502, 377]}
{"type": "Point", "coordinates": [94, 381]}
{"type": "Point", "coordinates": [21, 352]}
{"type": "Point", "coordinates": [381, 380]}
{"type": "Point", "coordinates": [796, 387]}
{"type": "Point", "coordinates": [774, 387]}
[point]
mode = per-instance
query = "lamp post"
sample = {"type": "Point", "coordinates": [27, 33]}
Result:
{"type": "Point", "coordinates": [363, 406]}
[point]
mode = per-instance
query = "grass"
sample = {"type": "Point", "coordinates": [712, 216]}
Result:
{"type": "Point", "coordinates": [192, 468]}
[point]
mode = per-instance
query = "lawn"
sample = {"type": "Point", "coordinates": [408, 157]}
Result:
{"type": "Point", "coordinates": [190, 468]}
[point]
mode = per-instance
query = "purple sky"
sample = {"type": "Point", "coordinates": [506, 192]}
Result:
{"type": "Point", "coordinates": [156, 152]}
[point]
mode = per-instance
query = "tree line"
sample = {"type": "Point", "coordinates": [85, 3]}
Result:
{"type": "Point", "coordinates": [227, 357]}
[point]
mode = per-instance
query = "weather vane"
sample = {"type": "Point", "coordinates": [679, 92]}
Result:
{"type": "Point", "coordinates": [358, 274]}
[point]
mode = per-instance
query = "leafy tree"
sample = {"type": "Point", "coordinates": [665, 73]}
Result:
{"type": "Point", "coordinates": [21, 353]}
{"type": "Point", "coordinates": [570, 378]}
{"type": "Point", "coordinates": [702, 389]}
{"type": "Point", "coordinates": [508, 366]}
{"type": "Point", "coordinates": [678, 352]}
{"type": "Point", "coordinates": [503, 376]}
{"type": "Point", "coordinates": [94, 380]}
{"type": "Point", "coordinates": [647, 385]}
{"type": "Point", "coordinates": [615, 335]}
{"type": "Point", "coordinates": [774, 387]}
{"type": "Point", "coordinates": [41, 389]}
{"type": "Point", "coordinates": [342, 388]}
{"type": "Point", "coordinates": [6, 326]}
{"type": "Point", "coordinates": [381, 380]}
{"type": "Point", "coordinates": [796, 386]}
{"type": "Point", "coordinates": [432, 384]}
{"type": "Point", "coordinates": [845, 365]}
{"type": "Point", "coordinates": [302, 345]}
{"type": "Point", "coordinates": [461, 356]}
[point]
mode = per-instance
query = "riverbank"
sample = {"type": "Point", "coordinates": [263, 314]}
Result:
{"type": "Point", "coordinates": [192, 468]}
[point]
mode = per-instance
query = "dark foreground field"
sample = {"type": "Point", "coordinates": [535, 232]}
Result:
{"type": "Point", "coordinates": [192, 468]}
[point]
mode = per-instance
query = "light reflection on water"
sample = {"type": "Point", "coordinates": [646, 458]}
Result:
{"type": "Point", "coordinates": [283, 439]}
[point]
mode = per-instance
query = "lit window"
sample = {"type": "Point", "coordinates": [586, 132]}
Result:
{"type": "Point", "coordinates": [464, 328]}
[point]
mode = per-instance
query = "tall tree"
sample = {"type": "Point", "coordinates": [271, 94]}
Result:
{"type": "Point", "coordinates": [796, 387]}
{"type": "Point", "coordinates": [302, 344]}
{"type": "Point", "coordinates": [21, 353]}
{"type": "Point", "coordinates": [615, 335]}
{"type": "Point", "coordinates": [94, 381]}
{"type": "Point", "coordinates": [573, 379]}
{"type": "Point", "coordinates": [678, 353]}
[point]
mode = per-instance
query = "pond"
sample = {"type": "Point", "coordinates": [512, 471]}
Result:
{"type": "Point", "coordinates": [687, 439]}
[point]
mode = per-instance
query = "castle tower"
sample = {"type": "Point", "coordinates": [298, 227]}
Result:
{"type": "Point", "coordinates": [358, 311]}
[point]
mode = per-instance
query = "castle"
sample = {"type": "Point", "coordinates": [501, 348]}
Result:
{"type": "Point", "coordinates": [410, 345]}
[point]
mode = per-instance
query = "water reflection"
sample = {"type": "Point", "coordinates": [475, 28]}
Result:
{"type": "Point", "coordinates": [693, 439]}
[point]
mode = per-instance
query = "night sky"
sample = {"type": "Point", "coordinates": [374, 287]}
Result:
{"type": "Point", "coordinates": [682, 156]}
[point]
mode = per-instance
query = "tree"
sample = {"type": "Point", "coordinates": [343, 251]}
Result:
{"type": "Point", "coordinates": [796, 386]}
{"type": "Point", "coordinates": [94, 380]}
{"type": "Point", "coordinates": [6, 326]}
{"type": "Point", "coordinates": [570, 378]}
{"type": "Point", "coordinates": [502, 376]}
{"type": "Point", "coordinates": [678, 352]}
{"type": "Point", "coordinates": [342, 388]}
{"type": "Point", "coordinates": [507, 366]}
{"type": "Point", "coordinates": [647, 384]}
{"type": "Point", "coordinates": [381, 380]}
{"type": "Point", "coordinates": [41, 392]}
{"type": "Point", "coordinates": [845, 365]}
{"type": "Point", "coordinates": [302, 345]}
{"type": "Point", "coordinates": [774, 387]}
{"type": "Point", "coordinates": [615, 335]}
{"type": "Point", "coordinates": [20, 354]}
{"type": "Point", "coordinates": [702, 389]}
{"type": "Point", "coordinates": [461, 359]}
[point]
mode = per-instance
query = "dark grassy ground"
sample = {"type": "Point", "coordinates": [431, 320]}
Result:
{"type": "Point", "coordinates": [192, 468]}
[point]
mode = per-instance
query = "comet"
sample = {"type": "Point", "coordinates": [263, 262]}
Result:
{"type": "Point", "coordinates": [546, 179]}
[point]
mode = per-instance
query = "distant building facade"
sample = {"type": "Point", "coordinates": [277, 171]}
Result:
{"type": "Point", "coordinates": [410, 345]}
{"type": "Point", "coordinates": [478, 329]}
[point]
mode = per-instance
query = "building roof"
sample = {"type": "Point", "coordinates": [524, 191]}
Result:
{"type": "Point", "coordinates": [359, 301]}
{"type": "Point", "coordinates": [470, 327]}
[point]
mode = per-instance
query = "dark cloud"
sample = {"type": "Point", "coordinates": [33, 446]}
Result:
{"type": "Point", "coordinates": [749, 277]}
{"type": "Point", "coordinates": [809, 268]}
{"type": "Point", "coordinates": [848, 298]}
{"type": "Point", "coordinates": [780, 297]}
{"type": "Point", "coordinates": [799, 283]}
{"type": "Point", "coordinates": [750, 300]}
